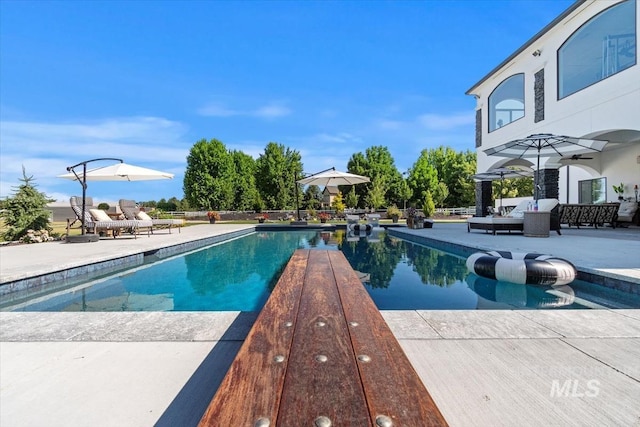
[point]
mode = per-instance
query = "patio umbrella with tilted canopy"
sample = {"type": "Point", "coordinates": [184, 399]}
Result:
{"type": "Point", "coordinates": [332, 177]}
{"type": "Point", "coordinates": [501, 174]}
{"type": "Point", "coordinates": [545, 144]}
{"type": "Point", "coordinates": [119, 172]}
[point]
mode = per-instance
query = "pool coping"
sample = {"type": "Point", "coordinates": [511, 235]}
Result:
{"type": "Point", "coordinates": [598, 277]}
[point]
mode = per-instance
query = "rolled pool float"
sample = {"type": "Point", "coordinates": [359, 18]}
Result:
{"type": "Point", "coordinates": [360, 227]}
{"type": "Point", "coordinates": [522, 268]}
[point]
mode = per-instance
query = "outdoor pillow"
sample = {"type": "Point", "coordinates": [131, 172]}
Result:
{"type": "Point", "coordinates": [99, 215]}
{"type": "Point", "coordinates": [143, 216]}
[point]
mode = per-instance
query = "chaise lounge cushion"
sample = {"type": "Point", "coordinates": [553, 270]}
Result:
{"type": "Point", "coordinates": [99, 215]}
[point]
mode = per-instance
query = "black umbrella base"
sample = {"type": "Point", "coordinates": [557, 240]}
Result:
{"type": "Point", "coordinates": [83, 238]}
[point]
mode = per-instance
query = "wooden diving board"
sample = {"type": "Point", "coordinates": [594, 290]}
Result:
{"type": "Point", "coordinates": [320, 354]}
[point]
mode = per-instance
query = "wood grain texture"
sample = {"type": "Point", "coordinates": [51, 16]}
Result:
{"type": "Point", "coordinates": [391, 385]}
{"type": "Point", "coordinates": [314, 388]}
{"type": "Point", "coordinates": [318, 296]}
{"type": "Point", "coordinates": [252, 387]}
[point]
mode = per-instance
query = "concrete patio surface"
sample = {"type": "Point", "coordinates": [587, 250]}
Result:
{"type": "Point", "coordinates": [492, 367]}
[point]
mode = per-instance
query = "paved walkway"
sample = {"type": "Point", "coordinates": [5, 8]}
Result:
{"type": "Point", "coordinates": [494, 367]}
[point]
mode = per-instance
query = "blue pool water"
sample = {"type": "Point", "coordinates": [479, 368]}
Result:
{"type": "Point", "coordinates": [240, 274]}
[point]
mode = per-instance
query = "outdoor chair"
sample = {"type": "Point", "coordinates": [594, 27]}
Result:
{"type": "Point", "coordinates": [96, 221]}
{"type": "Point", "coordinates": [132, 212]}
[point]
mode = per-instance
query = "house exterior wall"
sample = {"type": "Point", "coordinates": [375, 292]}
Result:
{"type": "Point", "coordinates": [608, 109]}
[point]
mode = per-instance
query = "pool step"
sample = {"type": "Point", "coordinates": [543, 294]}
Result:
{"type": "Point", "coordinates": [320, 354]}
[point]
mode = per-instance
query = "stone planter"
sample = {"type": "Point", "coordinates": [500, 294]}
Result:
{"type": "Point", "coordinates": [261, 220]}
{"type": "Point", "coordinates": [212, 220]}
{"type": "Point", "coordinates": [395, 218]}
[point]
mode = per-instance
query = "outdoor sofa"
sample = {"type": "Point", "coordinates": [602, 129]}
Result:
{"type": "Point", "coordinates": [514, 220]}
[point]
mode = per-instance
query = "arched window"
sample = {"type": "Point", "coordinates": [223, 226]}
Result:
{"type": "Point", "coordinates": [506, 102]}
{"type": "Point", "coordinates": [602, 47]}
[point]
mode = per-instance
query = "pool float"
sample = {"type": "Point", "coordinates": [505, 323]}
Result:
{"type": "Point", "coordinates": [360, 227]}
{"type": "Point", "coordinates": [522, 268]}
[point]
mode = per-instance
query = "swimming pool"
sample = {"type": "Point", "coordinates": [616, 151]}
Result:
{"type": "Point", "coordinates": [240, 274]}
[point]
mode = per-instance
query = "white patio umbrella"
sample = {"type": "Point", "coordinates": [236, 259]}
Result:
{"type": "Point", "coordinates": [501, 174]}
{"type": "Point", "coordinates": [545, 144]}
{"type": "Point", "coordinates": [331, 177]}
{"type": "Point", "coordinates": [118, 172]}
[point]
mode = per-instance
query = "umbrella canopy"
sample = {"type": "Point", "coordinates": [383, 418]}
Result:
{"type": "Point", "coordinates": [332, 177]}
{"type": "Point", "coordinates": [545, 144]}
{"type": "Point", "coordinates": [118, 172]}
{"type": "Point", "coordinates": [501, 174]}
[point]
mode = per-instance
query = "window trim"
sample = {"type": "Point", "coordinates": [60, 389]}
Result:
{"type": "Point", "coordinates": [524, 104]}
{"type": "Point", "coordinates": [558, 97]}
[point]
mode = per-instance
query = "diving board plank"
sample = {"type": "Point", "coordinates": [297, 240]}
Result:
{"type": "Point", "coordinates": [252, 387]}
{"type": "Point", "coordinates": [315, 387]}
{"type": "Point", "coordinates": [392, 386]}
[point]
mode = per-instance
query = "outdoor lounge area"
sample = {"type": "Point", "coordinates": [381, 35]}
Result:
{"type": "Point", "coordinates": [515, 219]}
{"type": "Point", "coordinates": [174, 362]}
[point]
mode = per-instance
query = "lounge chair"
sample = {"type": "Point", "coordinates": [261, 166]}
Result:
{"type": "Point", "coordinates": [131, 211]}
{"type": "Point", "coordinates": [96, 221]}
{"type": "Point", "coordinates": [513, 221]}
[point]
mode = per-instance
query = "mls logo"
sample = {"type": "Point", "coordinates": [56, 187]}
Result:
{"type": "Point", "coordinates": [573, 388]}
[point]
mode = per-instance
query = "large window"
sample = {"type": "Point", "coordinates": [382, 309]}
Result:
{"type": "Point", "coordinates": [506, 103]}
{"type": "Point", "coordinates": [602, 47]}
{"type": "Point", "coordinates": [592, 191]}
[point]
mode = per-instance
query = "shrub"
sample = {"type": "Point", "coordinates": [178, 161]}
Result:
{"type": "Point", "coordinates": [25, 211]}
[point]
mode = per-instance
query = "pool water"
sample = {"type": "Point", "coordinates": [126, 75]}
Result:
{"type": "Point", "coordinates": [240, 274]}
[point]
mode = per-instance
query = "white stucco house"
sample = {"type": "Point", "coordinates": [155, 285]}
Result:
{"type": "Point", "coordinates": [579, 76]}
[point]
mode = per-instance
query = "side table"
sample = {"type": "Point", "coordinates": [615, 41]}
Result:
{"type": "Point", "coordinates": [536, 223]}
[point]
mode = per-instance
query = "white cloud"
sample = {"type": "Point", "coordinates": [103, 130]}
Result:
{"type": "Point", "coordinates": [446, 122]}
{"type": "Point", "coordinates": [213, 110]}
{"type": "Point", "coordinates": [47, 149]}
{"type": "Point", "coordinates": [271, 110]}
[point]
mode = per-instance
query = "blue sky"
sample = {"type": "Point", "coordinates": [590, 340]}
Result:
{"type": "Point", "coordinates": [145, 80]}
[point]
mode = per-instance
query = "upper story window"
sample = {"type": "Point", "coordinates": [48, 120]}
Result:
{"type": "Point", "coordinates": [506, 102]}
{"type": "Point", "coordinates": [602, 47]}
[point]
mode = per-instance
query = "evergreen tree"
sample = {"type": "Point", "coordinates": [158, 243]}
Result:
{"type": "Point", "coordinates": [26, 210]}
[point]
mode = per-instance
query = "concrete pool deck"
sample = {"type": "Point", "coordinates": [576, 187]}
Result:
{"type": "Point", "coordinates": [499, 367]}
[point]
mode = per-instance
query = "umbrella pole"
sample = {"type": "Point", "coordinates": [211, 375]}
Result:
{"type": "Point", "coordinates": [295, 188]}
{"type": "Point", "coordinates": [84, 194]}
{"type": "Point", "coordinates": [537, 176]}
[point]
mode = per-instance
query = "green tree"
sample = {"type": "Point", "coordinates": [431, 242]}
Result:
{"type": "Point", "coordinates": [441, 193]}
{"type": "Point", "coordinates": [245, 188]}
{"type": "Point", "coordinates": [208, 179]}
{"type": "Point", "coordinates": [405, 193]}
{"type": "Point", "coordinates": [277, 171]}
{"type": "Point", "coordinates": [337, 203]}
{"type": "Point", "coordinates": [428, 207]}
{"type": "Point", "coordinates": [351, 201]}
{"type": "Point", "coordinates": [376, 163]}
{"type": "Point", "coordinates": [312, 197]}
{"type": "Point", "coordinates": [375, 198]}
{"type": "Point", "coordinates": [423, 177]}
{"type": "Point", "coordinates": [25, 210]}
{"type": "Point", "coordinates": [455, 170]}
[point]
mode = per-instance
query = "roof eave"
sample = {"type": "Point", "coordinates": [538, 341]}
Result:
{"type": "Point", "coordinates": [531, 41]}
